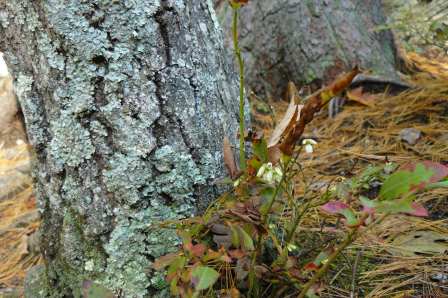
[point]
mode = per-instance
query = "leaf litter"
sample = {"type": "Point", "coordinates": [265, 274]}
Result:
{"type": "Point", "coordinates": [367, 132]}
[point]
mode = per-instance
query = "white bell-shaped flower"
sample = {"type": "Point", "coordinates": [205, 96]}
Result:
{"type": "Point", "coordinates": [309, 145]}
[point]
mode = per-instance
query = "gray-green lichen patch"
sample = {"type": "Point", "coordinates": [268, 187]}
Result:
{"type": "Point", "coordinates": [178, 173]}
{"type": "Point", "coordinates": [71, 143]}
{"type": "Point", "coordinates": [128, 129]}
{"type": "Point", "coordinates": [135, 237]}
{"type": "Point", "coordinates": [125, 175]}
{"type": "Point", "coordinates": [36, 283]}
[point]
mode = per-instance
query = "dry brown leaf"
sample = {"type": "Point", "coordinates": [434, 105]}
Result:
{"type": "Point", "coordinates": [313, 104]}
{"type": "Point", "coordinates": [290, 118]}
{"type": "Point", "coordinates": [288, 121]}
{"type": "Point", "coordinates": [274, 154]}
{"type": "Point", "coordinates": [366, 99]}
{"type": "Point", "coordinates": [229, 159]}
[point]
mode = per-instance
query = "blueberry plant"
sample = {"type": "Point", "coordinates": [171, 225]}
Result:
{"type": "Point", "coordinates": [246, 244]}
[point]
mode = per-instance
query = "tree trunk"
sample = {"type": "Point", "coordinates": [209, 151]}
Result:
{"type": "Point", "coordinates": [309, 41]}
{"type": "Point", "coordinates": [126, 105]}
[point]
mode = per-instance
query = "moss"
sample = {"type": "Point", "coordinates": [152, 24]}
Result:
{"type": "Point", "coordinates": [79, 258]}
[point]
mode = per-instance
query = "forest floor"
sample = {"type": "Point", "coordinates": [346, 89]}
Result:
{"type": "Point", "coordinates": [361, 135]}
{"type": "Point", "coordinates": [397, 259]}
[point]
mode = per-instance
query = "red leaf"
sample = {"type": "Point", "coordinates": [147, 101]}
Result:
{"type": "Point", "coordinates": [440, 170]}
{"type": "Point", "coordinates": [419, 210]}
{"type": "Point", "coordinates": [334, 207]}
{"type": "Point", "coordinates": [311, 267]}
{"type": "Point", "coordinates": [198, 250]}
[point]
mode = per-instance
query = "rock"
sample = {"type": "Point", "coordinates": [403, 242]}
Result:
{"type": "Point", "coordinates": [36, 282]}
{"type": "Point", "coordinates": [410, 135]}
{"type": "Point", "coordinates": [10, 293]}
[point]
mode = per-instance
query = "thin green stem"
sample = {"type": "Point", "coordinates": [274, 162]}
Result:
{"type": "Point", "coordinates": [241, 65]}
{"type": "Point", "coordinates": [348, 240]}
{"type": "Point", "coordinates": [264, 219]}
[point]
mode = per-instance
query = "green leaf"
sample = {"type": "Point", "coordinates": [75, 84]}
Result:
{"type": "Point", "coordinates": [350, 216]}
{"type": "Point", "coordinates": [173, 287]}
{"type": "Point", "coordinates": [204, 277]}
{"type": "Point", "coordinates": [164, 261]}
{"type": "Point", "coordinates": [338, 207]}
{"type": "Point", "coordinates": [321, 257]}
{"type": "Point", "coordinates": [367, 203]}
{"type": "Point", "coordinates": [267, 195]}
{"type": "Point", "coordinates": [396, 206]}
{"type": "Point", "coordinates": [177, 264]}
{"type": "Point", "coordinates": [234, 236]}
{"type": "Point", "coordinates": [402, 182]}
{"type": "Point", "coordinates": [260, 148]}
{"type": "Point", "coordinates": [247, 242]}
{"type": "Point", "coordinates": [441, 184]}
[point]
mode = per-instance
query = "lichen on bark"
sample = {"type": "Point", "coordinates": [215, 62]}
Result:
{"type": "Point", "coordinates": [126, 105]}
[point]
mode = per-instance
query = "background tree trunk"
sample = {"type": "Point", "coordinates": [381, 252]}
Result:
{"type": "Point", "coordinates": [309, 41]}
{"type": "Point", "coordinates": [126, 105]}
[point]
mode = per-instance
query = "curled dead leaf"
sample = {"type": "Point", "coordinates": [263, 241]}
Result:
{"type": "Point", "coordinates": [312, 105]}
{"type": "Point", "coordinates": [290, 118]}
{"type": "Point", "coordinates": [229, 159]}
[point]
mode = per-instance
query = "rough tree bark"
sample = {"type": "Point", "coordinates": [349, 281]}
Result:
{"type": "Point", "coordinates": [309, 41]}
{"type": "Point", "coordinates": [126, 105]}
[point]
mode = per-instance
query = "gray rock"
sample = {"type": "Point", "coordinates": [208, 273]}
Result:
{"type": "Point", "coordinates": [410, 135]}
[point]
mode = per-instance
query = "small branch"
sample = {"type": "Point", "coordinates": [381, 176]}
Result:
{"type": "Point", "coordinates": [241, 65]}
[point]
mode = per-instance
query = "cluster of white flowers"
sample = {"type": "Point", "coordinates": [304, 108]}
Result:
{"type": "Point", "coordinates": [269, 173]}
